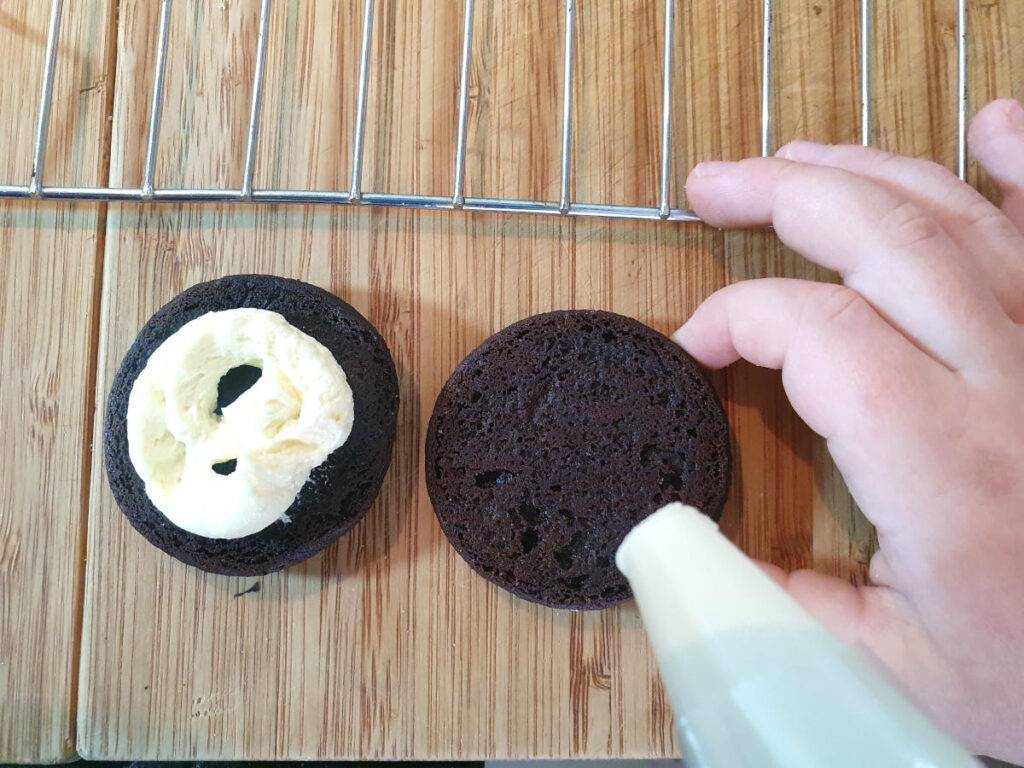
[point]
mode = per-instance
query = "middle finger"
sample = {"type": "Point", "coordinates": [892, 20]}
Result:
{"type": "Point", "coordinates": [982, 231]}
{"type": "Point", "coordinates": [885, 247]}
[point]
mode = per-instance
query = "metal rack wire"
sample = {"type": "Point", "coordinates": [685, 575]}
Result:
{"type": "Point", "coordinates": [564, 206]}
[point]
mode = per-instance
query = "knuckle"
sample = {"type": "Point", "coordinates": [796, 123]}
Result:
{"type": "Point", "coordinates": [983, 217]}
{"type": "Point", "coordinates": [907, 225]}
{"type": "Point", "coordinates": [893, 166]}
{"type": "Point", "coordinates": [833, 305]}
{"type": "Point", "coordinates": [941, 174]}
{"type": "Point", "coordinates": [882, 161]}
{"type": "Point", "coordinates": [840, 316]}
{"type": "Point", "coordinates": [791, 173]}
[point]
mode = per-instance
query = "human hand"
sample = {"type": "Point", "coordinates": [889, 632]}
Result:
{"type": "Point", "coordinates": [913, 371]}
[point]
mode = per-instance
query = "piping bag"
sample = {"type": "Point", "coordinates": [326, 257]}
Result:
{"type": "Point", "coordinates": [753, 679]}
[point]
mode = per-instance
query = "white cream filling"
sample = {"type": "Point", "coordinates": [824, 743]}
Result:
{"type": "Point", "coordinates": [281, 428]}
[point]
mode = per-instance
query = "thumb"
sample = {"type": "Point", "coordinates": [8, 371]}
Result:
{"type": "Point", "coordinates": [852, 614]}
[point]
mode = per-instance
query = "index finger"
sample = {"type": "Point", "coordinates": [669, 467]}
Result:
{"type": "Point", "coordinates": [885, 247]}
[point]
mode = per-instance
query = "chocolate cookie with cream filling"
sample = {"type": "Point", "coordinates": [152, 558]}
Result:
{"type": "Point", "coordinates": [250, 424]}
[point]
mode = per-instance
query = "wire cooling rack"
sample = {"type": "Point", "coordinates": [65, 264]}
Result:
{"type": "Point", "coordinates": [564, 206]}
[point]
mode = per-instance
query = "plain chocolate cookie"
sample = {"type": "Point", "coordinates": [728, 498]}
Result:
{"type": "Point", "coordinates": [557, 435]}
{"type": "Point", "coordinates": [338, 492]}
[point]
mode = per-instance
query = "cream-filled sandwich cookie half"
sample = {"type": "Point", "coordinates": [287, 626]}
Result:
{"type": "Point", "coordinates": [250, 424]}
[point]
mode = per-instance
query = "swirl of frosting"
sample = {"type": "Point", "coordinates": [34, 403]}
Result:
{"type": "Point", "coordinates": [231, 471]}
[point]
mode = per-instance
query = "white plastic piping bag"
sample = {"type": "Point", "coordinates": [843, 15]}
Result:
{"type": "Point", "coordinates": [753, 679]}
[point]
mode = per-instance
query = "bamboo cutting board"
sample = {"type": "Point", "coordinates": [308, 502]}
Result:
{"type": "Point", "coordinates": [49, 292]}
{"type": "Point", "coordinates": [387, 645]}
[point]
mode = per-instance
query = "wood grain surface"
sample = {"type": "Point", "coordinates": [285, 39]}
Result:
{"type": "Point", "coordinates": [49, 257]}
{"type": "Point", "coordinates": [387, 645]}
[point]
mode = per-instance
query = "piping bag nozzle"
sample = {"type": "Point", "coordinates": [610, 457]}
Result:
{"type": "Point", "coordinates": [752, 678]}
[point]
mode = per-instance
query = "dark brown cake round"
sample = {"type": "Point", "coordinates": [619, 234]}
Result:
{"type": "Point", "coordinates": [557, 435]}
{"type": "Point", "coordinates": [338, 492]}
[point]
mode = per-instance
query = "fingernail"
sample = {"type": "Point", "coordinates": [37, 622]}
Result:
{"type": "Point", "coordinates": [797, 149]}
{"type": "Point", "coordinates": [1015, 114]}
{"type": "Point", "coordinates": [678, 336]}
{"type": "Point", "coordinates": [712, 168]}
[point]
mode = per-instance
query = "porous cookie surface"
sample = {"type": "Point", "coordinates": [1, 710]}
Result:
{"type": "Point", "coordinates": [557, 435]}
{"type": "Point", "coordinates": [338, 492]}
